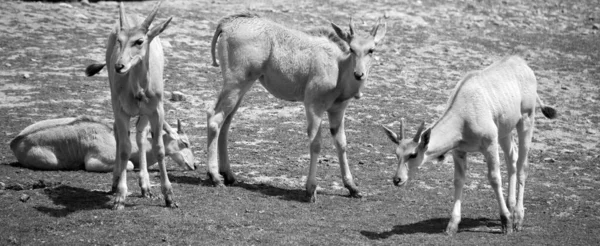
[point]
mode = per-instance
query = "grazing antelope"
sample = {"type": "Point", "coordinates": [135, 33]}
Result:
{"type": "Point", "coordinates": [88, 143]}
{"type": "Point", "coordinates": [481, 114]}
{"type": "Point", "coordinates": [323, 68]}
{"type": "Point", "coordinates": [135, 63]}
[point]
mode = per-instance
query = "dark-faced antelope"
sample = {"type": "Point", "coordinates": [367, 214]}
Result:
{"type": "Point", "coordinates": [88, 143]}
{"type": "Point", "coordinates": [324, 69]}
{"type": "Point", "coordinates": [135, 63]}
{"type": "Point", "coordinates": [481, 114]}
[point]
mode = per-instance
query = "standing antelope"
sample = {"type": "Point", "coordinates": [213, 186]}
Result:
{"type": "Point", "coordinates": [481, 114]}
{"type": "Point", "coordinates": [323, 68]}
{"type": "Point", "coordinates": [135, 62]}
{"type": "Point", "coordinates": [88, 143]}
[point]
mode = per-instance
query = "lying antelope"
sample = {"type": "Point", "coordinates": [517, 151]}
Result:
{"type": "Point", "coordinates": [135, 62]}
{"type": "Point", "coordinates": [88, 143]}
{"type": "Point", "coordinates": [481, 114]}
{"type": "Point", "coordinates": [323, 68]}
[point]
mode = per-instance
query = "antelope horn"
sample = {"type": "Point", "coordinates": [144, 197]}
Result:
{"type": "Point", "coordinates": [351, 25]}
{"type": "Point", "coordinates": [179, 126]}
{"type": "Point", "coordinates": [402, 123]}
{"type": "Point", "coordinates": [418, 135]}
{"type": "Point", "coordinates": [150, 18]}
{"type": "Point", "coordinates": [374, 30]}
{"type": "Point", "coordinates": [122, 18]}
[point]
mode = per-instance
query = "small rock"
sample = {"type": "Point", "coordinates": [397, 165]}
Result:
{"type": "Point", "coordinates": [177, 96]}
{"type": "Point", "coordinates": [16, 186]}
{"type": "Point", "coordinates": [24, 197]}
{"type": "Point", "coordinates": [66, 5]}
{"type": "Point", "coordinates": [26, 75]}
{"type": "Point", "coordinates": [85, 2]}
{"type": "Point", "coordinates": [550, 160]}
{"type": "Point", "coordinates": [361, 162]}
{"type": "Point", "coordinates": [595, 26]}
{"type": "Point", "coordinates": [2, 186]}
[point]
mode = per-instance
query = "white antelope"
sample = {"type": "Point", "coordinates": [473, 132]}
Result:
{"type": "Point", "coordinates": [480, 116]}
{"type": "Point", "coordinates": [135, 63]}
{"type": "Point", "coordinates": [323, 68]}
{"type": "Point", "coordinates": [88, 143]}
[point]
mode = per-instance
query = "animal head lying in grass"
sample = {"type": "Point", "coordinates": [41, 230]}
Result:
{"type": "Point", "coordinates": [361, 47]}
{"type": "Point", "coordinates": [409, 152]}
{"type": "Point", "coordinates": [178, 145]}
{"type": "Point", "coordinates": [134, 39]}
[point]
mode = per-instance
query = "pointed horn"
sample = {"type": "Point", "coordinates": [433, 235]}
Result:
{"type": "Point", "coordinates": [418, 135]}
{"type": "Point", "coordinates": [146, 24]}
{"type": "Point", "coordinates": [402, 124]}
{"type": "Point", "coordinates": [179, 126]}
{"type": "Point", "coordinates": [351, 25]}
{"type": "Point", "coordinates": [374, 30]}
{"type": "Point", "coordinates": [122, 18]}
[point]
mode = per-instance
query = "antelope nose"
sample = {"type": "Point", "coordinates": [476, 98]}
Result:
{"type": "Point", "coordinates": [358, 75]}
{"type": "Point", "coordinates": [397, 181]}
{"type": "Point", "coordinates": [119, 67]}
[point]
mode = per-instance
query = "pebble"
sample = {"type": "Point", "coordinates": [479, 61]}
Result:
{"type": "Point", "coordinates": [24, 198]}
{"type": "Point", "coordinates": [177, 96]}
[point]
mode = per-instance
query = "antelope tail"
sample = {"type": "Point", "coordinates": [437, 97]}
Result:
{"type": "Point", "coordinates": [94, 69]}
{"type": "Point", "coordinates": [547, 111]}
{"type": "Point", "coordinates": [214, 43]}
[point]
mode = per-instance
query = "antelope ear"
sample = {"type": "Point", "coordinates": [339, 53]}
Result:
{"type": "Point", "coordinates": [158, 29]}
{"type": "Point", "coordinates": [341, 33]}
{"type": "Point", "coordinates": [378, 32]}
{"type": "Point", "coordinates": [425, 139]}
{"type": "Point", "coordinates": [391, 134]}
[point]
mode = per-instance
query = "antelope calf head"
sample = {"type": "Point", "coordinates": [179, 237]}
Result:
{"type": "Point", "coordinates": [408, 152]}
{"type": "Point", "coordinates": [361, 46]}
{"type": "Point", "coordinates": [133, 40]}
{"type": "Point", "coordinates": [177, 146]}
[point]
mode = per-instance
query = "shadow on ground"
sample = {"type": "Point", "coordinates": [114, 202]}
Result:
{"type": "Point", "coordinates": [270, 190]}
{"type": "Point", "coordinates": [73, 199]}
{"type": "Point", "coordinates": [433, 226]}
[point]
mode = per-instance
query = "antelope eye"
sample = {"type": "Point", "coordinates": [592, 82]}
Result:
{"type": "Point", "coordinates": [412, 155]}
{"type": "Point", "coordinates": [371, 51]}
{"type": "Point", "coordinates": [139, 42]}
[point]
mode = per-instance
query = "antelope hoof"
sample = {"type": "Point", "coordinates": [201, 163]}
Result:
{"type": "Point", "coordinates": [146, 193]}
{"type": "Point", "coordinates": [170, 203]}
{"type": "Point", "coordinates": [118, 206]}
{"type": "Point", "coordinates": [311, 194]}
{"type": "Point", "coordinates": [507, 226]}
{"type": "Point", "coordinates": [215, 180]}
{"type": "Point", "coordinates": [354, 192]}
{"type": "Point", "coordinates": [228, 177]}
{"type": "Point", "coordinates": [518, 227]}
{"type": "Point", "coordinates": [450, 231]}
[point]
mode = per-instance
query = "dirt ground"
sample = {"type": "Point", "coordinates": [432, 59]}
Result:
{"type": "Point", "coordinates": [429, 46]}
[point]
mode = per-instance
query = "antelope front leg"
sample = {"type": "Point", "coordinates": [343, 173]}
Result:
{"type": "Point", "coordinates": [314, 137]}
{"type": "Point", "coordinates": [336, 123]}
{"type": "Point", "coordinates": [460, 171]}
{"type": "Point", "coordinates": [121, 128]}
{"type": "Point", "coordinates": [158, 148]}
{"type": "Point", "coordinates": [140, 137]}
{"type": "Point", "coordinates": [493, 162]}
